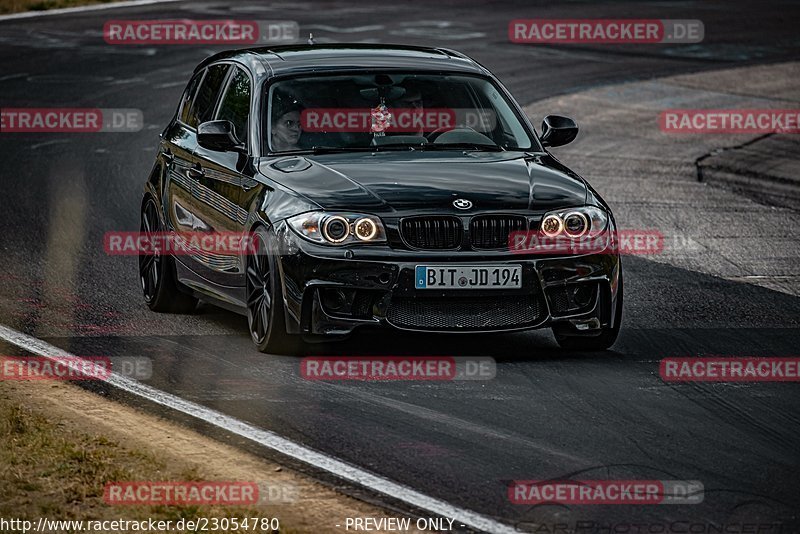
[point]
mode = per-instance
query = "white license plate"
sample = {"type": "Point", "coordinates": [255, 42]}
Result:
{"type": "Point", "coordinates": [468, 277]}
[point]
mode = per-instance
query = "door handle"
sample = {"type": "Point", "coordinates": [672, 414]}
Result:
{"type": "Point", "coordinates": [168, 156]}
{"type": "Point", "coordinates": [195, 172]}
{"type": "Point", "coordinates": [248, 184]}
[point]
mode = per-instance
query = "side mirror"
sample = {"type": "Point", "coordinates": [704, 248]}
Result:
{"type": "Point", "coordinates": [219, 136]}
{"type": "Point", "coordinates": [558, 131]}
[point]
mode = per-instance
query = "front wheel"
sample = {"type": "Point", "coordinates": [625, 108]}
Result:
{"type": "Point", "coordinates": [607, 336]}
{"type": "Point", "coordinates": [265, 311]}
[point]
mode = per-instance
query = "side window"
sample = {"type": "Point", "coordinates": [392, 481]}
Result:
{"type": "Point", "coordinates": [203, 106]}
{"type": "Point", "coordinates": [188, 96]}
{"type": "Point", "coordinates": [235, 105]}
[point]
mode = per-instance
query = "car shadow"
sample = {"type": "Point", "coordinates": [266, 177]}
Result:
{"type": "Point", "coordinates": [667, 311]}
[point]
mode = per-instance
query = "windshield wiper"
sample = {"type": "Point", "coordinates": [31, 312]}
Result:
{"type": "Point", "coordinates": [318, 150]}
{"type": "Point", "coordinates": [338, 149]}
{"type": "Point", "coordinates": [463, 146]}
{"type": "Point", "coordinates": [394, 147]}
{"type": "Point", "coordinates": [344, 149]}
{"type": "Point", "coordinates": [402, 146]}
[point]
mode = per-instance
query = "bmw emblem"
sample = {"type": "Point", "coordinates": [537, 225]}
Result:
{"type": "Point", "coordinates": [462, 203]}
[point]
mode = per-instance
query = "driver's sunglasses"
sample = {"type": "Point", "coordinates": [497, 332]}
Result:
{"type": "Point", "coordinates": [290, 123]}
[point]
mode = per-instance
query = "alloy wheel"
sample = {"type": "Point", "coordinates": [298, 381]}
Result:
{"type": "Point", "coordinates": [259, 292]}
{"type": "Point", "coordinates": [150, 263]}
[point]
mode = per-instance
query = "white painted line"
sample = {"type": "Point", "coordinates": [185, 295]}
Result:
{"type": "Point", "coordinates": [82, 9]}
{"type": "Point", "coordinates": [275, 442]}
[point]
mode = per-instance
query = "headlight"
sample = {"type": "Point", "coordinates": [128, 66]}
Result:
{"type": "Point", "coordinates": [574, 223]}
{"type": "Point", "coordinates": [335, 229]}
{"type": "Point", "coordinates": [365, 229]}
{"type": "Point", "coordinates": [552, 225]}
{"type": "Point", "coordinates": [338, 228]}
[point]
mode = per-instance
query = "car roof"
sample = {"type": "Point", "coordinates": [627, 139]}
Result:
{"type": "Point", "coordinates": [279, 60]}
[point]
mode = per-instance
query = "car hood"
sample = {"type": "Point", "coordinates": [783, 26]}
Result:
{"type": "Point", "coordinates": [428, 181]}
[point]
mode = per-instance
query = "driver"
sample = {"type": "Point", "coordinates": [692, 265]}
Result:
{"type": "Point", "coordinates": [411, 101]}
{"type": "Point", "coordinates": [286, 130]}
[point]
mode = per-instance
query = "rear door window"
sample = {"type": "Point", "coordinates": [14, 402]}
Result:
{"type": "Point", "coordinates": [206, 99]}
{"type": "Point", "coordinates": [188, 97]}
{"type": "Point", "coordinates": [235, 106]}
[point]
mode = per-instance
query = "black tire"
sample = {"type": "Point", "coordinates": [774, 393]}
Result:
{"type": "Point", "coordinates": [157, 271]}
{"type": "Point", "coordinates": [265, 311]}
{"type": "Point", "coordinates": [603, 341]}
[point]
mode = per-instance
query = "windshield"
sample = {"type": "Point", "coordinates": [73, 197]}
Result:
{"type": "Point", "coordinates": [373, 111]}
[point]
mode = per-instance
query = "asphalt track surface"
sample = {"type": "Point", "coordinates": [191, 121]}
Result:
{"type": "Point", "coordinates": [548, 414]}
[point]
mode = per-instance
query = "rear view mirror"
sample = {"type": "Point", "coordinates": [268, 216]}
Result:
{"type": "Point", "coordinates": [558, 131]}
{"type": "Point", "coordinates": [219, 136]}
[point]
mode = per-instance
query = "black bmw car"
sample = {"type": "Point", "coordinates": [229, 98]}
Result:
{"type": "Point", "coordinates": [381, 186]}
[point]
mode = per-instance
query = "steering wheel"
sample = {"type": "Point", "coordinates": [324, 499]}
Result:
{"type": "Point", "coordinates": [439, 131]}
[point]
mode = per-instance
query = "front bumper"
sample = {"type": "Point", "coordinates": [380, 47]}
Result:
{"type": "Point", "coordinates": [330, 291]}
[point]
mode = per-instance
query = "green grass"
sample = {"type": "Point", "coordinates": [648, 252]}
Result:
{"type": "Point", "coordinates": [48, 470]}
